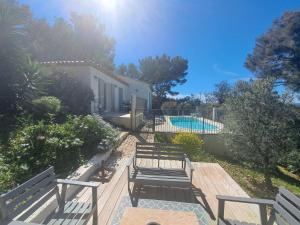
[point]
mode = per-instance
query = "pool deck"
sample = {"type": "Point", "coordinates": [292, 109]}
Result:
{"type": "Point", "coordinates": [210, 180]}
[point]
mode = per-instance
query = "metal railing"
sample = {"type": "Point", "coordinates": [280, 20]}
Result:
{"type": "Point", "coordinates": [174, 121]}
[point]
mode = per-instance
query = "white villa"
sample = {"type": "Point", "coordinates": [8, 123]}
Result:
{"type": "Point", "coordinates": [113, 94]}
{"type": "Point", "coordinates": [111, 91]}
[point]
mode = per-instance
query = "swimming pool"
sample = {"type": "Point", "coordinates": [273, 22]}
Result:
{"type": "Point", "coordinates": [192, 123]}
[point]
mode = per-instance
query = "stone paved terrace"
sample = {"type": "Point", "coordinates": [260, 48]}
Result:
{"type": "Point", "coordinates": [210, 179]}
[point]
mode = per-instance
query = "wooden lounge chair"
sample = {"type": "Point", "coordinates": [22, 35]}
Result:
{"type": "Point", "coordinates": [285, 209]}
{"type": "Point", "coordinates": [181, 177]}
{"type": "Point", "coordinates": [29, 196]}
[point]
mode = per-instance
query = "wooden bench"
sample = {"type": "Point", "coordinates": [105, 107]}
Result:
{"type": "Point", "coordinates": [285, 209]}
{"type": "Point", "coordinates": [21, 202]}
{"type": "Point", "coordinates": [181, 177]}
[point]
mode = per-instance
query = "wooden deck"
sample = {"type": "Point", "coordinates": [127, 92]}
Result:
{"type": "Point", "coordinates": [210, 180]}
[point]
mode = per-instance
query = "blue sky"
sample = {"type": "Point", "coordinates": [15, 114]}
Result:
{"type": "Point", "coordinates": [214, 35]}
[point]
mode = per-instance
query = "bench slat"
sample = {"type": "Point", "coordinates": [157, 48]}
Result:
{"type": "Point", "coordinates": [159, 153]}
{"type": "Point", "coordinates": [13, 193]}
{"type": "Point", "coordinates": [288, 206]}
{"type": "Point", "coordinates": [283, 213]}
{"type": "Point", "coordinates": [291, 197]}
{"type": "Point", "coordinates": [280, 220]}
{"type": "Point", "coordinates": [157, 144]}
{"type": "Point", "coordinates": [149, 173]}
{"type": "Point", "coordinates": [30, 192]}
{"type": "Point", "coordinates": [158, 157]}
{"type": "Point", "coordinates": [161, 148]}
{"type": "Point", "coordinates": [161, 182]}
{"type": "Point", "coordinates": [141, 176]}
{"type": "Point", "coordinates": [162, 172]}
{"type": "Point", "coordinates": [21, 208]}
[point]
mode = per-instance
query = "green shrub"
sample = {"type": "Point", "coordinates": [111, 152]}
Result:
{"type": "Point", "coordinates": [35, 147]}
{"type": "Point", "coordinates": [163, 138]}
{"type": "Point", "coordinates": [74, 94]}
{"type": "Point", "coordinates": [96, 134]}
{"type": "Point", "coordinates": [292, 161]}
{"type": "Point", "coordinates": [6, 177]}
{"type": "Point", "coordinates": [191, 142]}
{"type": "Point", "coordinates": [46, 107]}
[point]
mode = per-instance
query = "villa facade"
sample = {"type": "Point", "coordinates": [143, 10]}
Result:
{"type": "Point", "coordinates": [112, 93]}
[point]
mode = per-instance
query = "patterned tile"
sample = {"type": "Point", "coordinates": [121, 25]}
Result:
{"type": "Point", "coordinates": [202, 215]}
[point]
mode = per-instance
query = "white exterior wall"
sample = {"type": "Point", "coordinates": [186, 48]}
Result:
{"type": "Point", "coordinates": [111, 102]}
{"type": "Point", "coordinates": [96, 80]}
{"type": "Point", "coordinates": [140, 89]}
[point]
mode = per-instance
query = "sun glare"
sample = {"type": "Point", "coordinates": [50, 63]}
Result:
{"type": "Point", "coordinates": [109, 5]}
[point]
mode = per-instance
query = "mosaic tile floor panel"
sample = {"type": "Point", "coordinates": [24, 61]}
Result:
{"type": "Point", "coordinates": [203, 217]}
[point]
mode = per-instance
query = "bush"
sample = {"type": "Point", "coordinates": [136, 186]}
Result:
{"type": "Point", "coordinates": [35, 147]}
{"type": "Point", "coordinates": [6, 178]}
{"type": "Point", "coordinates": [96, 134]}
{"type": "Point", "coordinates": [292, 161]}
{"type": "Point", "coordinates": [46, 107]}
{"type": "Point", "coordinates": [74, 94]}
{"type": "Point", "coordinates": [191, 142]}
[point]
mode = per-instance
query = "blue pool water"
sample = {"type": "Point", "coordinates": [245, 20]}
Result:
{"type": "Point", "coordinates": [192, 123]}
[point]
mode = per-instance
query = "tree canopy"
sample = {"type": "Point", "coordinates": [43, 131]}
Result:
{"type": "Point", "coordinates": [163, 73]}
{"type": "Point", "coordinates": [259, 124]}
{"type": "Point", "coordinates": [129, 71]}
{"type": "Point", "coordinates": [83, 38]}
{"type": "Point", "coordinates": [18, 73]}
{"type": "Point", "coordinates": [222, 91]}
{"type": "Point", "coordinates": [277, 52]}
{"type": "Point", "coordinates": [74, 94]}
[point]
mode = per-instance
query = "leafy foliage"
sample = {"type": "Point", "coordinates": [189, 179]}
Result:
{"type": "Point", "coordinates": [96, 134]}
{"type": "Point", "coordinates": [292, 161]}
{"type": "Point", "coordinates": [18, 74]}
{"type": "Point", "coordinates": [259, 124]}
{"type": "Point", "coordinates": [222, 91]}
{"type": "Point", "coordinates": [35, 147]}
{"type": "Point", "coordinates": [277, 52]}
{"type": "Point", "coordinates": [46, 107]}
{"type": "Point", "coordinates": [83, 38]}
{"type": "Point", "coordinates": [164, 73]}
{"type": "Point", "coordinates": [73, 93]}
{"type": "Point", "coordinates": [130, 71]}
{"type": "Point", "coordinates": [191, 142]}
{"type": "Point", "coordinates": [6, 177]}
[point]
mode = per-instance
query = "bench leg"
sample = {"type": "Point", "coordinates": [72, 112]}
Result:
{"type": "Point", "coordinates": [95, 206]}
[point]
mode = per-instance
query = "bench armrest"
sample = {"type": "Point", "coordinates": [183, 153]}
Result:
{"type": "Point", "coordinates": [188, 162]}
{"type": "Point", "coordinates": [263, 203]}
{"type": "Point", "coordinates": [129, 162]}
{"type": "Point", "coordinates": [257, 201]}
{"type": "Point", "coordinates": [77, 183]}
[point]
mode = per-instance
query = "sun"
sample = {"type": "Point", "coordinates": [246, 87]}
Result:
{"type": "Point", "coordinates": [109, 5]}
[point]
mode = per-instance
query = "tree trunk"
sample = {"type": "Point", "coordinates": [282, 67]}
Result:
{"type": "Point", "coordinates": [267, 177]}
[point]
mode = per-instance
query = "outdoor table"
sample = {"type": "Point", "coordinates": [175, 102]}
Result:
{"type": "Point", "coordinates": [143, 216]}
